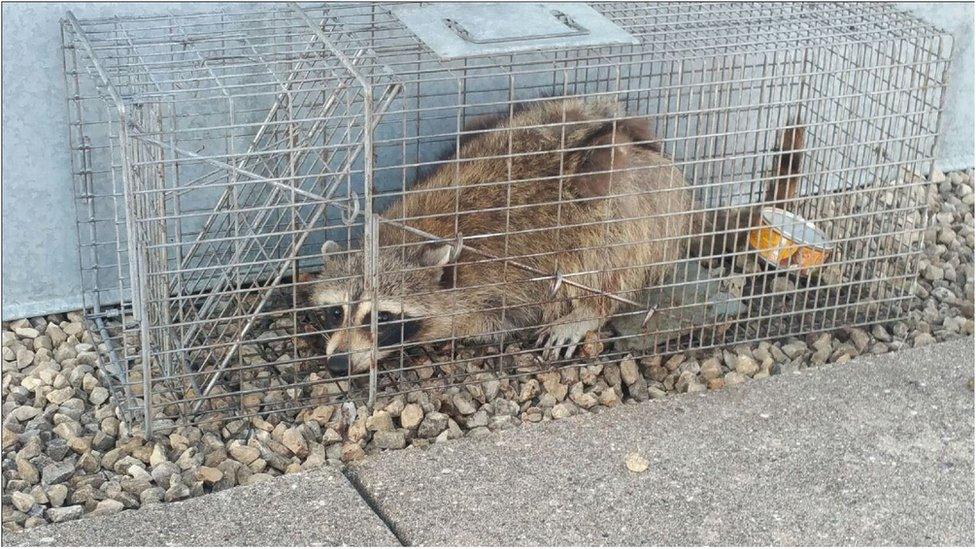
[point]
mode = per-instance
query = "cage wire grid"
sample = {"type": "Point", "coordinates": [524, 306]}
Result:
{"type": "Point", "coordinates": [214, 154]}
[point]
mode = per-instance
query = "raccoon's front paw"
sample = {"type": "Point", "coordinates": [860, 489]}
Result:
{"type": "Point", "coordinates": [565, 335]}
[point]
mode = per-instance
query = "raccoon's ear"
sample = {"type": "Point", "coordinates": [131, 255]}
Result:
{"type": "Point", "coordinates": [605, 149]}
{"type": "Point", "coordinates": [602, 153]}
{"type": "Point", "coordinates": [330, 247]}
{"type": "Point", "coordinates": [438, 256]}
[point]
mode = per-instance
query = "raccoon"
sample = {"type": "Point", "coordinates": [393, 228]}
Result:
{"type": "Point", "coordinates": [561, 185]}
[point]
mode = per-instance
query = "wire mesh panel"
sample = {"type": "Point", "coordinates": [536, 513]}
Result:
{"type": "Point", "coordinates": [299, 205]}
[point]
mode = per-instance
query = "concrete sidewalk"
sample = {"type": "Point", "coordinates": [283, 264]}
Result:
{"type": "Point", "coordinates": [313, 508]}
{"type": "Point", "coordinates": [878, 451]}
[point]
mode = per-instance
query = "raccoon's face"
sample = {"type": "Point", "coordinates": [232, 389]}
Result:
{"type": "Point", "coordinates": [407, 303]}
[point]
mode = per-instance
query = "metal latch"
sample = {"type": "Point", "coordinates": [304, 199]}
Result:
{"type": "Point", "coordinates": [462, 30]}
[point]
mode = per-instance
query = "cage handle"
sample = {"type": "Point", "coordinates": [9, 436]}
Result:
{"type": "Point", "coordinates": [575, 30]}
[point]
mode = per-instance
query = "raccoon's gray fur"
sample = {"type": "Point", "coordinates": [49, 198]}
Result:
{"type": "Point", "coordinates": [561, 185]}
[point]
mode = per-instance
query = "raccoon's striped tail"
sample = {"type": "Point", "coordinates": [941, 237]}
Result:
{"type": "Point", "coordinates": [787, 165]}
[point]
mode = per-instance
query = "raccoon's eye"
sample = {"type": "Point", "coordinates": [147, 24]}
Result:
{"type": "Point", "coordinates": [385, 316]}
{"type": "Point", "coordinates": [334, 313]}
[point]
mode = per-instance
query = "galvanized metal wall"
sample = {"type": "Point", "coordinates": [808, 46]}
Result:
{"type": "Point", "coordinates": [40, 273]}
{"type": "Point", "coordinates": [40, 244]}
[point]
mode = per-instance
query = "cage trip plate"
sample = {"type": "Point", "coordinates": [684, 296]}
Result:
{"type": "Point", "coordinates": [455, 30]}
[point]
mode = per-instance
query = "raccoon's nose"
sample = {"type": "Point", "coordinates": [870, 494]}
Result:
{"type": "Point", "coordinates": [338, 365]}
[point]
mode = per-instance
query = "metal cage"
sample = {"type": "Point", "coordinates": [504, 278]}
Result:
{"type": "Point", "coordinates": [214, 155]}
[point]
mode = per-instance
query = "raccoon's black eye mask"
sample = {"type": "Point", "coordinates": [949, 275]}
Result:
{"type": "Point", "coordinates": [332, 317]}
{"type": "Point", "coordinates": [394, 328]}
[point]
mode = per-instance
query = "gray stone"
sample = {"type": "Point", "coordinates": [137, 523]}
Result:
{"type": "Point", "coordinates": [795, 349]}
{"type": "Point", "coordinates": [57, 494]}
{"type": "Point", "coordinates": [820, 357]}
{"type": "Point", "coordinates": [464, 404]}
{"type": "Point", "coordinates": [490, 388]}
{"type": "Point", "coordinates": [934, 272]}
{"type": "Point", "coordinates": [98, 395]}
{"type": "Point", "coordinates": [746, 365]}
{"type": "Point", "coordinates": [25, 358]}
{"type": "Point", "coordinates": [244, 453]}
{"type": "Point", "coordinates": [735, 378]}
{"type": "Point", "coordinates": [150, 496]}
{"type": "Point", "coordinates": [27, 471]}
{"type": "Point", "coordinates": [176, 491]}
{"type": "Point", "coordinates": [381, 420]}
{"type": "Point", "coordinates": [23, 502]}
{"type": "Point", "coordinates": [629, 372]}
{"type": "Point", "coordinates": [411, 416]}
{"type": "Point", "coordinates": [24, 413]}
{"type": "Point", "coordinates": [29, 333]}
{"type": "Point", "coordinates": [43, 342]}
{"type": "Point", "coordinates": [711, 368]}
{"type": "Point", "coordinates": [135, 486]}
{"type": "Point", "coordinates": [61, 514]}
{"type": "Point", "coordinates": [40, 496]}
{"type": "Point", "coordinates": [504, 407]}
{"type": "Point", "coordinates": [296, 443]}
{"type": "Point", "coordinates": [638, 389]}
{"type": "Point", "coordinates": [163, 472]}
{"type": "Point", "coordinates": [103, 441]}
{"type": "Point", "coordinates": [390, 440]}
{"type": "Point", "coordinates": [822, 342]}
{"type": "Point", "coordinates": [656, 392]}
{"type": "Point", "coordinates": [782, 284]}
{"type": "Point", "coordinates": [56, 473]}
{"type": "Point", "coordinates": [684, 379]}
{"type": "Point", "coordinates": [563, 410]}
{"type": "Point", "coordinates": [584, 400]}
{"type": "Point", "coordinates": [108, 507]}
{"type": "Point", "coordinates": [59, 396]}
{"type": "Point", "coordinates": [879, 333]}
{"type": "Point", "coordinates": [860, 339]}
{"type": "Point", "coordinates": [477, 419]}
{"type": "Point", "coordinates": [432, 425]}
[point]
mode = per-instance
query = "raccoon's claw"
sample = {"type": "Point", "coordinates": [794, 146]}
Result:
{"type": "Point", "coordinates": [543, 345]}
{"type": "Point", "coordinates": [556, 343]}
{"type": "Point", "coordinates": [566, 335]}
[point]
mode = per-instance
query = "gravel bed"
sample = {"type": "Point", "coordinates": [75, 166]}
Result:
{"type": "Point", "coordinates": [66, 453]}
